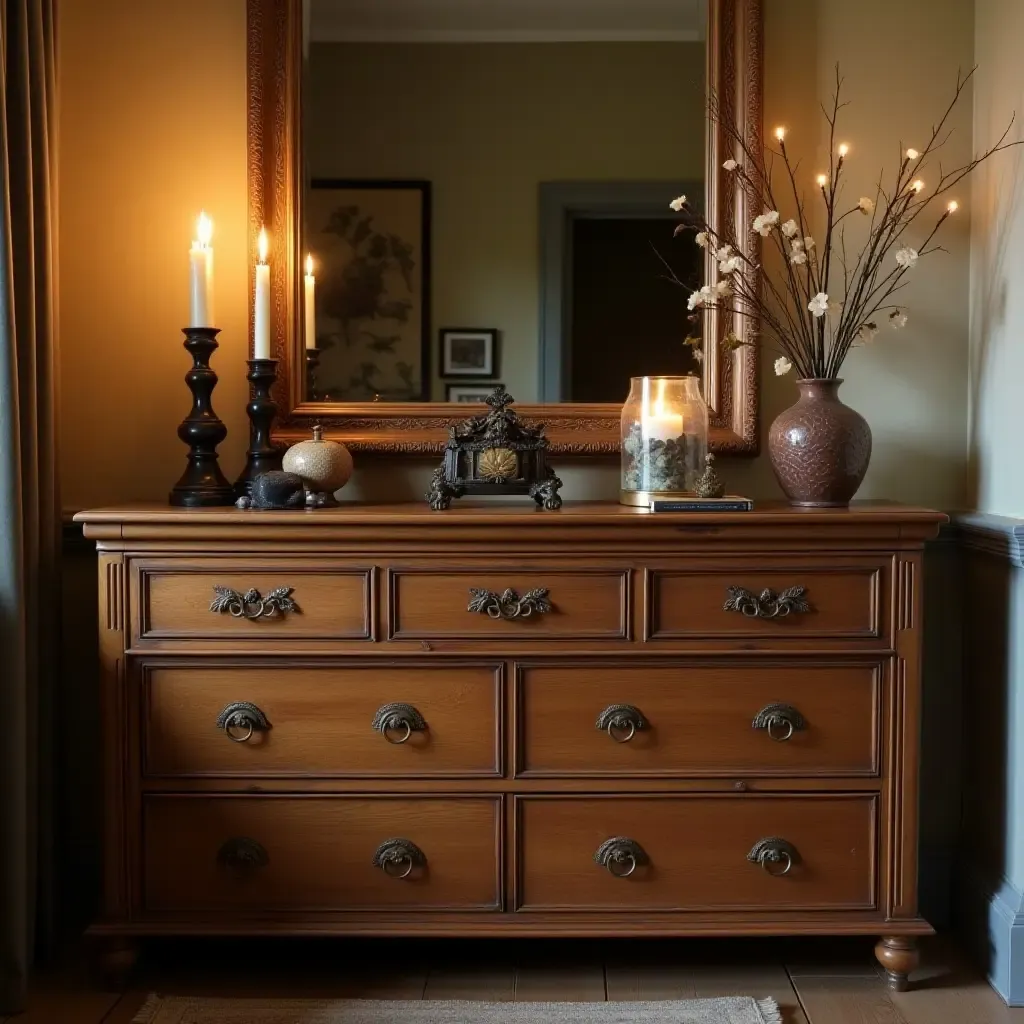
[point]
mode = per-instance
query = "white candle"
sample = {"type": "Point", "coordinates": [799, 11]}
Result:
{"type": "Point", "coordinates": [310, 283]}
{"type": "Point", "coordinates": [261, 318]}
{"type": "Point", "coordinates": [200, 277]}
{"type": "Point", "coordinates": [659, 423]}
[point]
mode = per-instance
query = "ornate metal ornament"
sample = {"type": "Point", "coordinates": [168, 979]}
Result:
{"type": "Point", "coordinates": [621, 721]}
{"type": "Point", "coordinates": [398, 857]}
{"type": "Point", "coordinates": [495, 454]}
{"type": "Point", "coordinates": [240, 720]}
{"type": "Point", "coordinates": [403, 719]}
{"type": "Point", "coordinates": [252, 605]}
{"type": "Point", "coordinates": [620, 856]}
{"type": "Point", "coordinates": [780, 721]}
{"type": "Point", "coordinates": [771, 853]}
{"type": "Point", "coordinates": [709, 483]}
{"type": "Point", "coordinates": [767, 604]}
{"type": "Point", "coordinates": [242, 855]}
{"type": "Point", "coordinates": [509, 605]}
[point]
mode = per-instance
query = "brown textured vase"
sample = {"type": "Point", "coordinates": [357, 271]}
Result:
{"type": "Point", "coordinates": [819, 448]}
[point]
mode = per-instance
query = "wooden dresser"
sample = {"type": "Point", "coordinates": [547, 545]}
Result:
{"type": "Point", "coordinates": [501, 721]}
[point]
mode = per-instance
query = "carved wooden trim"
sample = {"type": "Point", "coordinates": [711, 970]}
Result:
{"type": "Point", "coordinates": [274, 52]}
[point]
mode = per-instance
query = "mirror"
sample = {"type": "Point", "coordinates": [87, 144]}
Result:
{"type": "Point", "coordinates": [482, 190]}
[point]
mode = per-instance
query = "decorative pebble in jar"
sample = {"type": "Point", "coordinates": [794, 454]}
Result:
{"type": "Point", "coordinates": [664, 439]}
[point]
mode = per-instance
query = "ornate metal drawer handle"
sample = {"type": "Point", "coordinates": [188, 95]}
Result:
{"type": "Point", "coordinates": [241, 715]}
{"type": "Point", "coordinates": [398, 857]}
{"type": "Point", "coordinates": [402, 718]}
{"type": "Point", "coordinates": [620, 856]}
{"type": "Point", "coordinates": [780, 721]}
{"type": "Point", "coordinates": [252, 605]}
{"type": "Point", "coordinates": [621, 722]}
{"type": "Point", "coordinates": [242, 854]}
{"type": "Point", "coordinates": [773, 851]}
{"type": "Point", "coordinates": [767, 604]}
{"type": "Point", "coordinates": [509, 605]}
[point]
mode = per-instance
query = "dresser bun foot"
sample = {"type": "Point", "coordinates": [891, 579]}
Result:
{"type": "Point", "coordinates": [898, 955]}
{"type": "Point", "coordinates": [113, 960]}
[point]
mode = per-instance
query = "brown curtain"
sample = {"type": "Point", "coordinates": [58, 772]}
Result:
{"type": "Point", "coordinates": [29, 518]}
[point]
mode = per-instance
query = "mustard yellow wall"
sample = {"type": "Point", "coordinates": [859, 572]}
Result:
{"type": "Point", "coordinates": [153, 129]}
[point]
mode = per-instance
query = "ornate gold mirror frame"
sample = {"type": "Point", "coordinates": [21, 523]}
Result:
{"type": "Point", "coordinates": [734, 72]}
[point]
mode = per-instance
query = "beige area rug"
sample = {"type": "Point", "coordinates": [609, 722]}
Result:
{"type": "Point", "coordinates": [195, 1010]}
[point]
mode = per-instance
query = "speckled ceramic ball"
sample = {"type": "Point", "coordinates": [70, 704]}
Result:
{"type": "Point", "coordinates": [324, 466]}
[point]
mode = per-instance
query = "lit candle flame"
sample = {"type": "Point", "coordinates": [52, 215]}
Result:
{"type": "Point", "coordinates": [912, 154]}
{"type": "Point", "coordinates": [309, 264]}
{"type": "Point", "coordinates": [822, 180]}
{"type": "Point", "coordinates": [264, 245]}
{"type": "Point", "coordinates": [953, 206]}
{"type": "Point", "coordinates": [843, 149]}
{"type": "Point", "coordinates": [780, 133]}
{"type": "Point", "coordinates": [204, 230]}
{"type": "Point", "coordinates": [917, 185]}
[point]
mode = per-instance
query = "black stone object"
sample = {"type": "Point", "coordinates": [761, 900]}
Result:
{"type": "Point", "coordinates": [263, 455]}
{"type": "Point", "coordinates": [275, 490]}
{"type": "Point", "coordinates": [203, 484]}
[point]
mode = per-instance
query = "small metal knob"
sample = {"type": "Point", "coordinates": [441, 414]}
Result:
{"type": "Point", "coordinates": [621, 722]}
{"type": "Point", "coordinates": [775, 855]}
{"type": "Point", "coordinates": [242, 854]}
{"type": "Point", "coordinates": [620, 856]}
{"type": "Point", "coordinates": [403, 719]}
{"type": "Point", "coordinates": [780, 721]}
{"type": "Point", "coordinates": [398, 857]}
{"type": "Point", "coordinates": [240, 720]}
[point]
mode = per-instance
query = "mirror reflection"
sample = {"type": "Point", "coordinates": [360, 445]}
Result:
{"type": "Point", "coordinates": [486, 195]}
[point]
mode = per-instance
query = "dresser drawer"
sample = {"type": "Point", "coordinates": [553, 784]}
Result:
{"type": "Point", "coordinates": [749, 853]}
{"type": "Point", "coordinates": [251, 854]}
{"type": "Point", "coordinates": [816, 718]}
{"type": "Point", "coordinates": [254, 602]}
{"type": "Point", "coordinates": [514, 603]}
{"type": "Point", "coordinates": [265, 720]}
{"type": "Point", "coordinates": [776, 601]}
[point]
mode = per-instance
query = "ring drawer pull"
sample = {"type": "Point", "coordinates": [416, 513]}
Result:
{"type": "Point", "coordinates": [767, 604]}
{"type": "Point", "coordinates": [620, 856]}
{"type": "Point", "coordinates": [402, 718]}
{"type": "Point", "coordinates": [398, 857]}
{"type": "Point", "coordinates": [621, 721]}
{"type": "Point", "coordinates": [780, 721]}
{"type": "Point", "coordinates": [241, 715]}
{"type": "Point", "coordinates": [509, 605]}
{"type": "Point", "coordinates": [770, 853]}
{"type": "Point", "coordinates": [242, 855]}
{"type": "Point", "coordinates": [252, 604]}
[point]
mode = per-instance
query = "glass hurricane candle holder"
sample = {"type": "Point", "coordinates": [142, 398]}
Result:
{"type": "Point", "coordinates": [664, 439]}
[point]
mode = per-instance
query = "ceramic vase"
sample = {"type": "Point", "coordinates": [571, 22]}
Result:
{"type": "Point", "coordinates": [819, 447]}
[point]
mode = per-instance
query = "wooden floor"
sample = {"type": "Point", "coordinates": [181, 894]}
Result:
{"type": "Point", "coordinates": [815, 982]}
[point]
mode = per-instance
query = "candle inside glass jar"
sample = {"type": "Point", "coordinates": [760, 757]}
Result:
{"type": "Point", "coordinates": [659, 423]}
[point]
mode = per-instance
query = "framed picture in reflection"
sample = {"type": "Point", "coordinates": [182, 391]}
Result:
{"type": "Point", "coordinates": [370, 243]}
{"type": "Point", "coordinates": [469, 352]}
{"type": "Point", "coordinates": [467, 393]}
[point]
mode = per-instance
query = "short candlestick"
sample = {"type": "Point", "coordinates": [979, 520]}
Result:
{"type": "Point", "coordinates": [202, 484]}
{"type": "Point", "coordinates": [263, 455]}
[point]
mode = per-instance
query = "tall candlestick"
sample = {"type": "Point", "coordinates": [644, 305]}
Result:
{"type": "Point", "coordinates": [310, 284]}
{"type": "Point", "coordinates": [261, 318]}
{"type": "Point", "coordinates": [200, 278]}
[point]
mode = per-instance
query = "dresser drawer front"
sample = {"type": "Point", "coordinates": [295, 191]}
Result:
{"type": "Point", "coordinates": [780, 601]}
{"type": "Point", "coordinates": [251, 854]}
{"type": "Point", "coordinates": [698, 719]}
{"type": "Point", "coordinates": [250, 602]}
{"type": "Point", "coordinates": [691, 853]}
{"type": "Point", "coordinates": [509, 604]}
{"type": "Point", "coordinates": [260, 720]}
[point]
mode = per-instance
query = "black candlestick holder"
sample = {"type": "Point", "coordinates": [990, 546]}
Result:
{"type": "Point", "coordinates": [202, 485]}
{"type": "Point", "coordinates": [312, 365]}
{"type": "Point", "coordinates": [263, 455]}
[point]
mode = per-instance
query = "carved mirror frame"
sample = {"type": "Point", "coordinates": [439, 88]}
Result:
{"type": "Point", "coordinates": [734, 70]}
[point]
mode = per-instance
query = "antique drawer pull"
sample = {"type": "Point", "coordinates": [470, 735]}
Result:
{"type": "Point", "coordinates": [398, 857]}
{"type": "Point", "coordinates": [241, 715]}
{"type": "Point", "coordinates": [621, 722]}
{"type": "Point", "coordinates": [767, 604]}
{"type": "Point", "coordinates": [620, 856]}
{"type": "Point", "coordinates": [402, 718]}
{"type": "Point", "coordinates": [242, 854]}
{"type": "Point", "coordinates": [780, 721]}
{"type": "Point", "coordinates": [252, 604]}
{"type": "Point", "coordinates": [509, 605]}
{"type": "Point", "coordinates": [773, 851]}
